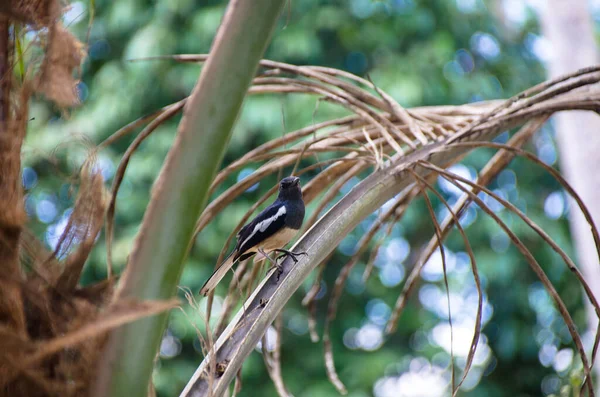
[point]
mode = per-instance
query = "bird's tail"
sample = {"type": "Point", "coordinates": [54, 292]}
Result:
{"type": "Point", "coordinates": [218, 274]}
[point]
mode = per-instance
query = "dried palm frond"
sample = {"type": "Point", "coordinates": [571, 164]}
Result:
{"type": "Point", "coordinates": [394, 151]}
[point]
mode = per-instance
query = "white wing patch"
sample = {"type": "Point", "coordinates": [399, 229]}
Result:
{"type": "Point", "coordinates": [264, 225]}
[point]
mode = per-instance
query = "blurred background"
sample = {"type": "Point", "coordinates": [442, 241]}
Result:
{"type": "Point", "coordinates": [422, 52]}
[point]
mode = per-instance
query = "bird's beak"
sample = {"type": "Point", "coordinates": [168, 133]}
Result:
{"type": "Point", "coordinates": [296, 180]}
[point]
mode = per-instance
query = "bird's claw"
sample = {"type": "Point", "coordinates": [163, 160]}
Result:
{"type": "Point", "coordinates": [278, 271]}
{"type": "Point", "coordinates": [293, 255]}
{"type": "Point", "coordinates": [279, 265]}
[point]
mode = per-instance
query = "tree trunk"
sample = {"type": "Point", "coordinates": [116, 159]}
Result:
{"type": "Point", "coordinates": [12, 214]}
{"type": "Point", "coordinates": [568, 25]}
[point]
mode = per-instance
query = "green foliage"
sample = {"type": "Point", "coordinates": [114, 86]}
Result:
{"type": "Point", "coordinates": [422, 53]}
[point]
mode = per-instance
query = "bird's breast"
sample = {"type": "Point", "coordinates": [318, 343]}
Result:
{"type": "Point", "coordinates": [279, 239]}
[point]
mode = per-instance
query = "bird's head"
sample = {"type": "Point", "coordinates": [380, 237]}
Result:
{"type": "Point", "coordinates": [289, 188]}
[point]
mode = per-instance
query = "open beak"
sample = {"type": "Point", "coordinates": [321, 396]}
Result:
{"type": "Point", "coordinates": [296, 180]}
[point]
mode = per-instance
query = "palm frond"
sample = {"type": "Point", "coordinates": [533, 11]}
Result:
{"type": "Point", "coordinates": [429, 140]}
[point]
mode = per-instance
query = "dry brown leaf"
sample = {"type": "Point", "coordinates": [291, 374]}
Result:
{"type": "Point", "coordinates": [120, 313]}
{"type": "Point", "coordinates": [37, 12]}
{"type": "Point", "coordinates": [63, 55]}
{"type": "Point", "coordinates": [83, 226]}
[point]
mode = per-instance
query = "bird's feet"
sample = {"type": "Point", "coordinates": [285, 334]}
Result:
{"type": "Point", "coordinates": [286, 253]}
{"type": "Point", "coordinates": [279, 264]}
{"type": "Point", "coordinates": [293, 255]}
{"type": "Point", "coordinates": [275, 263]}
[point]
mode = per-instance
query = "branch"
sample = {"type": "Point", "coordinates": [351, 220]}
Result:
{"type": "Point", "coordinates": [248, 326]}
{"type": "Point", "coordinates": [244, 332]}
{"type": "Point", "coordinates": [260, 310]}
{"type": "Point", "coordinates": [181, 191]}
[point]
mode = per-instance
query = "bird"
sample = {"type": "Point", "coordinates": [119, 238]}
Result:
{"type": "Point", "coordinates": [269, 231]}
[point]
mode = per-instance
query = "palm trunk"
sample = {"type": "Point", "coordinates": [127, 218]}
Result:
{"type": "Point", "coordinates": [12, 214]}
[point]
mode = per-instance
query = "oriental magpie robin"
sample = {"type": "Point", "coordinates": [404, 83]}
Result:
{"type": "Point", "coordinates": [270, 231]}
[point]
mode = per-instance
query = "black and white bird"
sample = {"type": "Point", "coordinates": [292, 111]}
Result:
{"type": "Point", "coordinates": [270, 231]}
